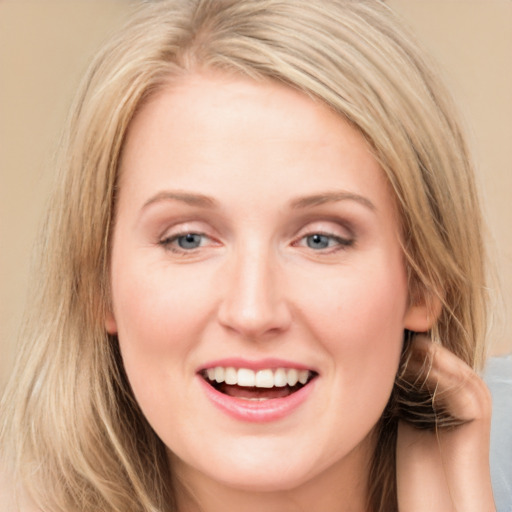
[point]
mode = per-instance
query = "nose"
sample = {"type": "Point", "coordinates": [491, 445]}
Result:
{"type": "Point", "coordinates": [253, 303]}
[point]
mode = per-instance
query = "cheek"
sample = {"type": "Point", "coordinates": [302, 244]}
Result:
{"type": "Point", "coordinates": [357, 302]}
{"type": "Point", "coordinates": [159, 315]}
{"type": "Point", "coordinates": [156, 306]}
{"type": "Point", "coordinates": [359, 318]}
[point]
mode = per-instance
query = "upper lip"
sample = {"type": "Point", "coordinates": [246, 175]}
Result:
{"type": "Point", "coordinates": [255, 365]}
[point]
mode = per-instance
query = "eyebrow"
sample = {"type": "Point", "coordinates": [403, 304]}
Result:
{"type": "Point", "coordinates": [204, 201]}
{"type": "Point", "coordinates": [331, 197]}
{"type": "Point", "coordinates": [184, 197]}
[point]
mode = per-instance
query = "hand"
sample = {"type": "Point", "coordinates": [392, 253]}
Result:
{"type": "Point", "coordinates": [446, 470]}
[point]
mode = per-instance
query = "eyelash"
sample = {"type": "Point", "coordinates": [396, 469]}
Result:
{"type": "Point", "coordinates": [167, 242]}
{"type": "Point", "coordinates": [340, 242]}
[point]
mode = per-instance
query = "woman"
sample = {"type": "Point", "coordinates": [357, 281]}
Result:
{"type": "Point", "coordinates": [260, 204]}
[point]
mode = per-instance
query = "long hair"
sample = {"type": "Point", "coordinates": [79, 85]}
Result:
{"type": "Point", "coordinates": [71, 429]}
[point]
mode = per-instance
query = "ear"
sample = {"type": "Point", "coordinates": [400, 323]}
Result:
{"type": "Point", "coordinates": [110, 323]}
{"type": "Point", "coordinates": [423, 313]}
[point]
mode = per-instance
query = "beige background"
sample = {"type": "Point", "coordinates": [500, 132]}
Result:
{"type": "Point", "coordinates": [45, 46]}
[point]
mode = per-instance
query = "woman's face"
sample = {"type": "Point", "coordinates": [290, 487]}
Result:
{"type": "Point", "coordinates": [256, 243]}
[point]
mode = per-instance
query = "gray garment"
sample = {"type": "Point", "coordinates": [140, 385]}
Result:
{"type": "Point", "coordinates": [498, 376]}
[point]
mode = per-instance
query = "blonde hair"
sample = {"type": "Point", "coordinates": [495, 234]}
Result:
{"type": "Point", "coordinates": [71, 428]}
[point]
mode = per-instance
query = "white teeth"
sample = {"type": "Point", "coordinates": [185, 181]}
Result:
{"type": "Point", "coordinates": [246, 377]}
{"type": "Point", "coordinates": [292, 377]}
{"type": "Point", "coordinates": [230, 376]}
{"type": "Point", "coordinates": [280, 379]}
{"type": "Point", "coordinates": [219, 374]}
{"type": "Point", "coordinates": [267, 378]}
{"type": "Point", "coordinates": [303, 376]}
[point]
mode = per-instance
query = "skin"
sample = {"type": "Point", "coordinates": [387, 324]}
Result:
{"type": "Point", "coordinates": [255, 288]}
{"type": "Point", "coordinates": [449, 469]}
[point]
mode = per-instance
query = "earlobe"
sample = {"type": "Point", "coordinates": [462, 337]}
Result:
{"type": "Point", "coordinates": [110, 323]}
{"type": "Point", "coordinates": [420, 317]}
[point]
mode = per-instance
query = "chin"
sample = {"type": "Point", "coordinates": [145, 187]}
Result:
{"type": "Point", "coordinates": [264, 479]}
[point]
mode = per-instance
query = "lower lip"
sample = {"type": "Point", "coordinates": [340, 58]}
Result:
{"type": "Point", "coordinates": [257, 411]}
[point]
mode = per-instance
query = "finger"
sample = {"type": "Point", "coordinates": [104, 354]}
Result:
{"type": "Point", "coordinates": [421, 481]}
{"type": "Point", "coordinates": [442, 472]}
{"type": "Point", "coordinates": [454, 386]}
{"type": "Point", "coordinates": [460, 454]}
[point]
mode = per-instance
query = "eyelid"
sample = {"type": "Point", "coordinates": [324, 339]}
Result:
{"type": "Point", "coordinates": [342, 242]}
{"type": "Point", "coordinates": [335, 230]}
{"type": "Point", "coordinates": [183, 227]}
{"type": "Point", "coordinates": [181, 234]}
{"type": "Point", "coordinates": [168, 243]}
{"type": "Point", "coordinates": [169, 236]}
{"type": "Point", "coordinates": [328, 227]}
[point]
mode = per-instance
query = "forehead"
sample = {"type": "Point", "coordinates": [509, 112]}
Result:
{"type": "Point", "coordinates": [251, 137]}
{"type": "Point", "coordinates": [215, 102]}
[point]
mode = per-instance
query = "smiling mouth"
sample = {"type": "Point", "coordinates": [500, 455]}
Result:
{"type": "Point", "coordinates": [266, 384]}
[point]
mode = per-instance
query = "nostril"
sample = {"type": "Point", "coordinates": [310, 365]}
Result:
{"type": "Point", "coordinates": [254, 321]}
{"type": "Point", "coordinates": [253, 303]}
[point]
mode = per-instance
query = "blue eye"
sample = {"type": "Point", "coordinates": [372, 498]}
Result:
{"type": "Point", "coordinates": [189, 241]}
{"type": "Point", "coordinates": [184, 242]}
{"type": "Point", "coordinates": [318, 241]}
{"type": "Point", "coordinates": [321, 241]}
